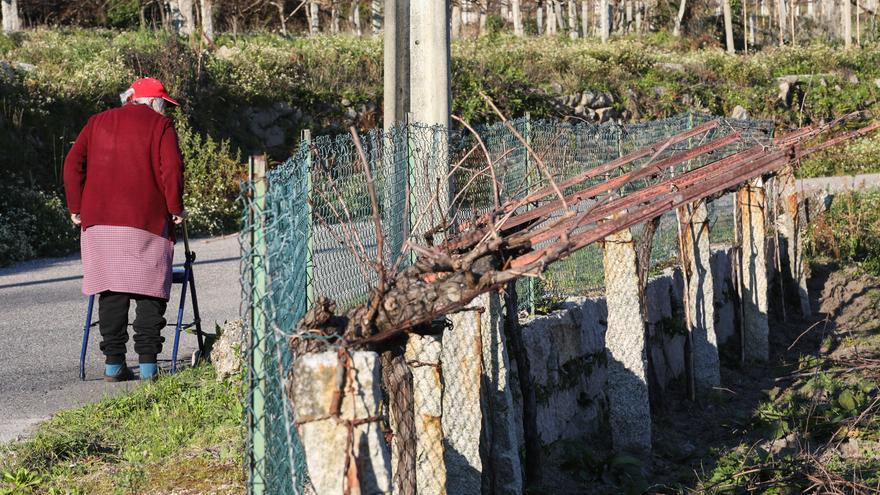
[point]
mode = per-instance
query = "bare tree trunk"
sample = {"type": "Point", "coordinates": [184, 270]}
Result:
{"type": "Point", "coordinates": [516, 11]}
{"type": "Point", "coordinates": [679, 18]}
{"type": "Point", "coordinates": [728, 26]}
{"type": "Point", "coordinates": [560, 19]}
{"type": "Point", "coordinates": [605, 20]}
{"type": "Point", "coordinates": [745, 17]}
{"type": "Point", "coordinates": [846, 23]}
{"type": "Point", "coordinates": [456, 21]}
{"type": "Point", "coordinates": [585, 18]}
{"type": "Point", "coordinates": [628, 5]}
{"type": "Point", "coordinates": [640, 9]}
{"type": "Point", "coordinates": [314, 18]}
{"type": "Point", "coordinates": [334, 17]}
{"type": "Point", "coordinates": [376, 16]}
{"type": "Point", "coordinates": [187, 15]}
{"type": "Point", "coordinates": [549, 18]}
{"type": "Point", "coordinates": [572, 20]}
{"type": "Point", "coordinates": [356, 17]}
{"type": "Point", "coordinates": [780, 14]}
{"type": "Point", "coordinates": [484, 15]}
{"type": "Point", "coordinates": [207, 9]}
{"type": "Point", "coordinates": [858, 23]}
{"type": "Point", "coordinates": [11, 19]}
{"type": "Point", "coordinates": [282, 18]}
{"type": "Point", "coordinates": [539, 19]}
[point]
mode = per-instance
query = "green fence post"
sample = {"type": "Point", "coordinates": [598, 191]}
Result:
{"type": "Point", "coordinates": [310, 232]}
{"type": "Point", "coordinates": [533, 283]}
{"type": "Point", "coordinates": [258, 332]}
{"type": "Point", "coordinates": [410, 180]}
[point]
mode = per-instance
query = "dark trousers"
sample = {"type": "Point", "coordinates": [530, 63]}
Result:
{"type": "Point", "coordinates": [148, 323]}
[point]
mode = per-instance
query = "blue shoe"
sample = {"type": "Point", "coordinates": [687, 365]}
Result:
{"type": "Point", "coordinates": [149, 371]}
{"type": "Point", "coordinates": [117, 373]}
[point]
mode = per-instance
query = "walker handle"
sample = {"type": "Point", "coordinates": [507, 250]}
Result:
{"type": "Point", "coordinates": [186, 250]}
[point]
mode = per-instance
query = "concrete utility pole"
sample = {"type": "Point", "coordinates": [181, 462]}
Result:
{"type": "Point", "coordinates": [396, 62]}
{"type": "Point", "coordinates": [11, 20]}
{"type": "Point", "coordinates": [429, 59]}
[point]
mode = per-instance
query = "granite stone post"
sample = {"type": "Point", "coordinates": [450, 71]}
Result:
{"type": "Point", "coordinates": [751, 201]}
{"type": "Point", "coordinates": [699, 291]}
{"type": "Point", "coordinates": [790, 227]}
{"type": "Point", "coordinates": [626, 348]}
{"type": "Point", "coordinates": [423, 358]}
{"type": "Point", "coordinates": [325, 437]}
{"type": "Point", "coordinates": [479, 421]}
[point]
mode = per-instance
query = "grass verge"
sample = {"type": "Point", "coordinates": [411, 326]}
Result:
{"type": "Point", "coordinates": [182, 431]}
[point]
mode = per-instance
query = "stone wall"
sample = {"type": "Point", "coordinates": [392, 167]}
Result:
{"type": "Point", "coordinates": [566, 350]}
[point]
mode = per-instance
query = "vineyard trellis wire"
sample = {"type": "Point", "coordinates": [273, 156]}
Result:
{"type": "Point", "coordinates": [298, 216]}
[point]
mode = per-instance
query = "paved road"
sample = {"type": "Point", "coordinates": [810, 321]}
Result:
{"type": "Point", "coordinates": [41, 316]}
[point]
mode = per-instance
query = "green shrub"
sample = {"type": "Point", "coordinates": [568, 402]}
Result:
{"type": "Point", "coordinates": [859, 157]}
{"type": "Point", "coordinates": [32, 224]}
{"type": "Point", "coordinates": [212, 177]}
{"type": "Point", "coordinates": [123, 13]}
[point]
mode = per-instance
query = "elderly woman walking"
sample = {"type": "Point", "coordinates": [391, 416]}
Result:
{"type": "Point", "coordinates": [123, 180]}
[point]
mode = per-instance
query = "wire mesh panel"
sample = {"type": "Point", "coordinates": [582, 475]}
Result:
{"type": "Point", "coordinates": [343, 210]}
{"type": "Point", "coordinates": [274, 246]}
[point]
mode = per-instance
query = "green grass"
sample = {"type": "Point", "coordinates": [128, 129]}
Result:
{"type": "Point", "coordinates": [850, 231]}
{"type": "Point", "coordinates": [834, 405]}
{"type": "Point", "coordinates": [183, 431]}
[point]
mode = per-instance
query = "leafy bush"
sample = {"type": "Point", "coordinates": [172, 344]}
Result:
{"type": "Point", "coordinates": [859, 157]}
{"type": "Point", "coordinates": [123, 13]}
{"type": "Point", "coordinates": [32, 224]}
{"type": "Point", "coordinates": [212, 177]}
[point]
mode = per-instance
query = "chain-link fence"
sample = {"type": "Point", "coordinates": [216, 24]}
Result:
{"type": "Point", "coordinates": [309, 230]}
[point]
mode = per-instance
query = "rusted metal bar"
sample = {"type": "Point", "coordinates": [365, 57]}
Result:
{"type": "Point", "coordinates": [640, 196]}
{"type": "Point", "coordinates": [843, 137]}
{"type": "Point", "coordinates": [645, 170]}
{"type": "Point", "coordinates": [677, 197]}
{"type": "Point", "coordinates": [655, 149]}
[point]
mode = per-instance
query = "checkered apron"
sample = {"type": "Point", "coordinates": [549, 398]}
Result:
{"type": "Point", "coordinates": [126, 259]}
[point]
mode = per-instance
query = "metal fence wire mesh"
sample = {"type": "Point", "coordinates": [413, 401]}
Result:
{"type": "Point", "coordinates": [308, 231]}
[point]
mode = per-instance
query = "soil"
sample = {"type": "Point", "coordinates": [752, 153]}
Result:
{"type": "Point", "coordinates": [688, 436]}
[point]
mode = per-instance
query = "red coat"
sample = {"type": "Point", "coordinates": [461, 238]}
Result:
{"type": "Point", "coordinates": [125, 169]}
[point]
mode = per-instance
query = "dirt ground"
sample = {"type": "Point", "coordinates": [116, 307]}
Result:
{"type": "Point", "coordinates": [688, 436]}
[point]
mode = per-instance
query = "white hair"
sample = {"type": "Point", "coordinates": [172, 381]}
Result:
{"type": "Point", "coordinates": [156, 103]}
